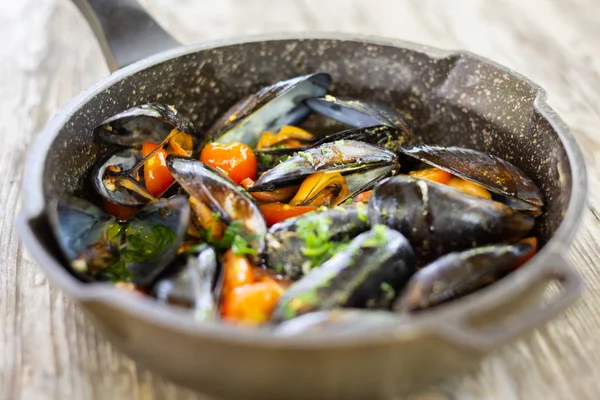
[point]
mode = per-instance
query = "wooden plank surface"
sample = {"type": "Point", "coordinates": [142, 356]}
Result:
{"type": "Point", "coordinates": [47, 55]}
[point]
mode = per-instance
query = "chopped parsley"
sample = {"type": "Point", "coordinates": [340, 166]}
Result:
{"type": "Point", "coordinates": [233, 238]}
{"type": "Point", "coordinates": [325, 151]}
{"type": "Point", "coordinates": [308, 156]}
{"type": "Point", "coordinates": [378, 238]}
{"type": "Point", "coordinates": [265, 159]}
{"type": "Point", "coordinates": [318, 246]}
{"type": "Point", "coordinates": [339, 142]}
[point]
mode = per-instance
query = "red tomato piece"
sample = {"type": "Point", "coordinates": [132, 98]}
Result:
{"type": "Point", "coordinates": [277, 212]}
{"type": "Point", "coordinates": [157, 176]}
{"type": "Point", "coordinates": [236, 160]}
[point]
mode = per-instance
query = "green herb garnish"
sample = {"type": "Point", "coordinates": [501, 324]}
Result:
{"type": "Point", "coordinates": [339, 142]}
{"type": "Point", "coordinates": [379, 237]}
{"type": "Point", "coordinates": [265, 159]}
{"type": "Point", "coordinates": [240, 246]}
{"type": "Point", "coordinates": [318, 245]}
{"type": "Point", "coordinates": [308, 156]}
{"type": "Point", "coordinates": [325, 151]}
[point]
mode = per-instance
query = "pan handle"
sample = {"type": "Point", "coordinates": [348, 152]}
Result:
{"type": "Point", "coordinates": [125, 31]}
{"type": "Point", "coordinates": [484, 337]}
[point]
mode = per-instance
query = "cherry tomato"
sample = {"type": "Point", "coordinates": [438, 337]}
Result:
{"type": "Point", "coordinates": [433, 174]}
{"type": "Point", "coordinates": [469, 187]}
{"type": "Point", "coordinates": [235, 159]}
{"type": "Point", "coordinates": [156, 173]}
{"type": "Point", "coordinates": [116, 210]}
{"type": "Point", "coordinates": [237, 272]}
{"type": "Point", "coordinates": [363, 197]}
{"type": "Point", "coordinates": [251, 304]}
{"type": "Point", "coordinates": [277, 212]}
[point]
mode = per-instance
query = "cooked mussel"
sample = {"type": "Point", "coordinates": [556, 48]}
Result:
{"type": "Point", "coordinates": [367, 273]}
{"type": "Point", "coordinates": [493, 173]}
{"type": "Point", "coordinates": [189, 282]}
{"type": "Point", "coordinates": [438, 220]}
{"type": "Point", "coordinates": [297, 245]}
{"type": "Point", "coordinates": [458, 274]}
{"type": "Point", "coordinates": [144, 123]}
{"type": "Point", "coordinates": [362, 114]}
{"type": "Point", "coordinates": [222, 195]}
{"type": "Point", "coordinates": [346, 157]}
{"type": "Point", "coordinates": [85, 235]}
{"type": "Point", "coordinates": [152, 237]}
{"type": "Point", "coordinates": [269, 109]}
{"type": "Point", "coordinates": [117, 179]}
{"type": "Point", "coordinates": [98, 247]}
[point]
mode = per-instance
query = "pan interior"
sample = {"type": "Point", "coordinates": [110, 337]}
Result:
{"type": "Point", "coordinates": [454, 100]}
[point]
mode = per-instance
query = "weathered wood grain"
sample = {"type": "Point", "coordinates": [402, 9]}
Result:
{"type": "Point", "coordinates": [47, 348]}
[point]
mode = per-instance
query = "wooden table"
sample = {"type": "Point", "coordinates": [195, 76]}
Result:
{"type": "Point", "coordinates": [48, 54]}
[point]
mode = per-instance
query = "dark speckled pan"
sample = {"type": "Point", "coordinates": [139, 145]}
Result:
{"type": "Point", "coordinates": [456, 98]}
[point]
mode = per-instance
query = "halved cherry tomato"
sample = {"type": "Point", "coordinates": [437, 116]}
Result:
{"type": "Point", "coordinates": [237, 272]}
{"type": "Point", "coordinates": [277, 212]}
{"type": "Point", "coordinates": [469, 187]}
{"type": "Point", "coordinates": [363, 197]}
{"type": "Point", "coordinates": [277, 195]}
{"type": "Point", "coordinates": [116, 210]}
{"type": "Point", "coordinates": [251, 304]}
{"type": "Point", "coordinates": [157, 176]}
{"type": "Point", "coordinates": [432, 174]}
{"type": "Point", "coordinates": [237, 160]}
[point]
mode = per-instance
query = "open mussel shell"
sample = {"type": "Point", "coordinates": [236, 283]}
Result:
{"type": "Point", "coordinates": [221, 194]}
{"type": "Point", "coordinates": [144, 123]}
{"type": "Point", "coordinates": [367, 273]}
{"type": "Point", "coordinates": [189, 281]}
{"type": "Point", "coordinates": [438, 219]}
{"type": "Point", "coordinates": [269, 109]}
{"type": "Point", "coordinates": [495, 174]}
{"type": "Point", "coordinates": [339, 322]}
{"type": "Point", "coordinates": [285, 248]}
{"type": "Point", "coordinates": [458, 274]}
{"type": "Point", "coordinates": [79, 226]}
{"type": "Point", "coordinates": [362, 114]}
{"type": "Point", "coordinates": [120, 188]}
{"type": "Point", "coordinates": [153, 236]}
{"type": "Point", "coordinates": [346, 156]}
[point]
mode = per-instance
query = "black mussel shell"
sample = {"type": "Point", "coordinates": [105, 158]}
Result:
{"type": "Point", "coordinates": [269, 109]}
{"type": "Point", "coordinates": [285, 248]}
{"type": "Point", "coordinates": [221, 194]}
{"type": "Point", "coordinates": [81, 231]}
{"type": "Point", "coordinates": [144, 123]}
{"type": "Point", "coordinates": [189, 281]}
{"type": "Point", "coordinates": [124, 190]}
{"type": "Point", "coordinates": [438, 219]}
{"type": "Point", "coordinates": [153, 236]}
{"type": "Point", "coordinates": [367, 273]}
{"type": "Point", "coordinates": [495, 174]}
{"type": "Point", "coordinates": [345, 156]}
{"type": "Point", "coordinates": [458, 274]}
{"type": "Point", "coordinates": [362, 114]}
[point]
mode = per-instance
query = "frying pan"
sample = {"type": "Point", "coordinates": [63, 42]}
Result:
{"type": "Point", "coordinates": [455, 97]}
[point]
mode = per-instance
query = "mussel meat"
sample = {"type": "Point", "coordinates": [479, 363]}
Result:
{"type": "Point", "coordinates": [367, 273]}
{"type": "Point", "coordinates": [437, 219]}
